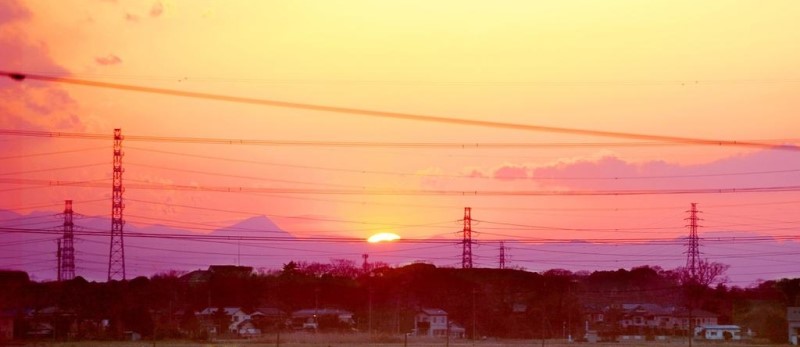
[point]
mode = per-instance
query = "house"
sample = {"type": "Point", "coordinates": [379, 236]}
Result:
{"type": "Point", "coordinates": [698, 317]}
{"type": "Point", "coordinates": [40, 330]}
{"type": "Point", "coordinates": [247, 328]}
{"type": "Point", "coordinates": [51, 321]}
{"type": "Point", "coordinates": [269, 318]}
{"type": "Point", "coordinates": [793, 318]}
{"type": "Point", "coordinates": [721, 332]}
{"type": "Point", "coordinates": [647, 318]}
{"type": "Point", "coordinates": [6, 326]}
{"type": "Point", "coordinates": [204, 276]}
{"type": "Point", "coordinates": [236, 314]}
{"type": "Point", "coordinates": [433, 322]}
{"type": "Point", "coordinates": [323, 318]}
{"type": "Point", "coordinates": [430, 322]}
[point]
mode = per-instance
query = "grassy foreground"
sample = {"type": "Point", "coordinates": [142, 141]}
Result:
{"type": "Point", "coordinates": [325, 340]}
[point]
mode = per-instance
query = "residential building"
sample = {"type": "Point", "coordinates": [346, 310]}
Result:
{"type": "Point", "coordinates": [247, 328]}
{"type": "Point", "coordinates": [270, 318]}
{"type": "Point", "coordinates": [323, 318]}
{"type": "Point", "coordinates": [699, 318]}
{"type": "Point", "coordinates": [721, 332]}
{"type": "Point", "coordinates": [793, 318]}
{"type": "Point", "coordinates": [233, 324]}
{"type": "Point", "coordinates": [646, 315]}
{"type": "Point", "coordinates": [647, 318]}
{"type": "Point", "coordinates": [434, 322]}
{"type": "Point", "coordinates": [6, 326]}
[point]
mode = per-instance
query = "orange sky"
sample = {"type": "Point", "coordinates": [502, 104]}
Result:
{"type": "Point", "coordinates": [721, 70]}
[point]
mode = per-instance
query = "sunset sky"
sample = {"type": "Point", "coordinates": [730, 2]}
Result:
{"type": "Point", "coordinates": [721, 70]}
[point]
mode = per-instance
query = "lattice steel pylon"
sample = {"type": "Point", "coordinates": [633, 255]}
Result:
{"type": "Point", "coordinates": [466, 250]}
{"type": "Point", "coordinates": [693, 250]}
{"type": "Point", "coordinates": [67, 252]}
{"type": "Point", "coordinates": [116, 253]}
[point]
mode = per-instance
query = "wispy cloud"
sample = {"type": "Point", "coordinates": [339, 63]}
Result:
{"type": "Point", "coordinates": [510, 172]}
{"type": "Point", "coordinates": [131, 17]}
{"type": "Point", "coordinates": [110, 59]}
{"type": "Point", "coordinates": [11, 10]}
{"type": "Point", "coordinates": [31, 104]}
{"type": "Point", "coordinates": [157, 9]}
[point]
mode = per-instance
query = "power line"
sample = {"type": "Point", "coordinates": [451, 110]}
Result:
{"type": "Point", "coordinates": [391, 115]}
{"type": "Point", "coordinates": [499, 83]}
{"type": "Point", "coordinates": [417, 174]}
{"type": "Point", "coordinates": [318, 219]}
{"type": "Point", "coordinates": [29, 155]}
{"type": "Point", "coordinates": [25, 172]}
{"type": "Point", "coordinates": [329, 144]}
{"type": "Point", "coordinates": [42, 205]}
{"type": "Point", "coordinates": [335, 239]}
{"type": "Point", "coordinates": [407, 192]}
{"type": "Point", "coordinates": [245, 177]}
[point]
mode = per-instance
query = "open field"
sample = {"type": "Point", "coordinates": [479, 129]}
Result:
{"type": "Point", "coordinates": [325, 340]}
{"type": "Point", "coordinates": [442, 343]}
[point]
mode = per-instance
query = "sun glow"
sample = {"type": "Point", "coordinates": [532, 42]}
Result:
{"type": "Point", "coordinates": [383, 237]}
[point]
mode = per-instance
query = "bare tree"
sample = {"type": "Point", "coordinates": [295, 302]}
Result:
{"type": "Point", "coordinates": [706, 273]}
{"type": "Point", "coordinates": [696, 283]}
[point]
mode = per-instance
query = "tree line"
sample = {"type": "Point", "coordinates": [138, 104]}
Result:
{"type": "Point", "coordinates": [511, 303]}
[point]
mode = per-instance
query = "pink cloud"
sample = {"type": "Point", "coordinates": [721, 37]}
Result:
{"type": "Point", "coordinates": [474, 173]}
{"type": "Point", "coordinates": [110, 59]}
{"type": "Point", "coordinates": [11, 11]}
{"type": "Point", "coordinates": [31, 104]}
{"type": "Point", "coordinates": [131, 17]}
{"type": "Point", "coordinates": [510, 172]}
{"type": "Point", "coordinates": [157, 9]}
{"type": "Point", "coordinates": [757, 169]}
{"type": "Point", "coordinates": [607, 166]}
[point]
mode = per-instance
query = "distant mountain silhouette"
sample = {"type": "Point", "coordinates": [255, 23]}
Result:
{"type": "Point", "coordinates": [253, 226]}
{"type": "Point", "coordinates": [186, 250]}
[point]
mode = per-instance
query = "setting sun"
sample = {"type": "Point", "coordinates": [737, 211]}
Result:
{"type": "Point", "coordinates": [383, 237]}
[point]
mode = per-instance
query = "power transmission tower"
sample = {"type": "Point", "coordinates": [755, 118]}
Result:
{"type": "Point", "coordinates": [466, 252]}
{"type": "Point", "coordinates": [692, 259]}
{"type": "Point", "coordinates": [502, 255]}
{"type": "Point", "coordinates": [116, 254]}
{"type": "Point", "coordinates": [67, 249]}
{"type": "Point", "coordinates": [365, 266]}
{"type": "Point", "coordinates": [693, 251]}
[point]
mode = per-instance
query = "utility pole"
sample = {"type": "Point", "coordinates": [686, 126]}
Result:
{"type": "Point", "coordinates": [67, 249]}
{"type": "Point", "coordinates": [502, 255]}
{"type": "Point", "coordinates": [474, 318]}
{"type": "Point", "coordinates": [116, 253]}
{"type": "Point", "coordinates": [58, 260]}
{"type": "Point", "coordinates": [466, 251]}
{"type": "Point", "coordinates": [369, 314]}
